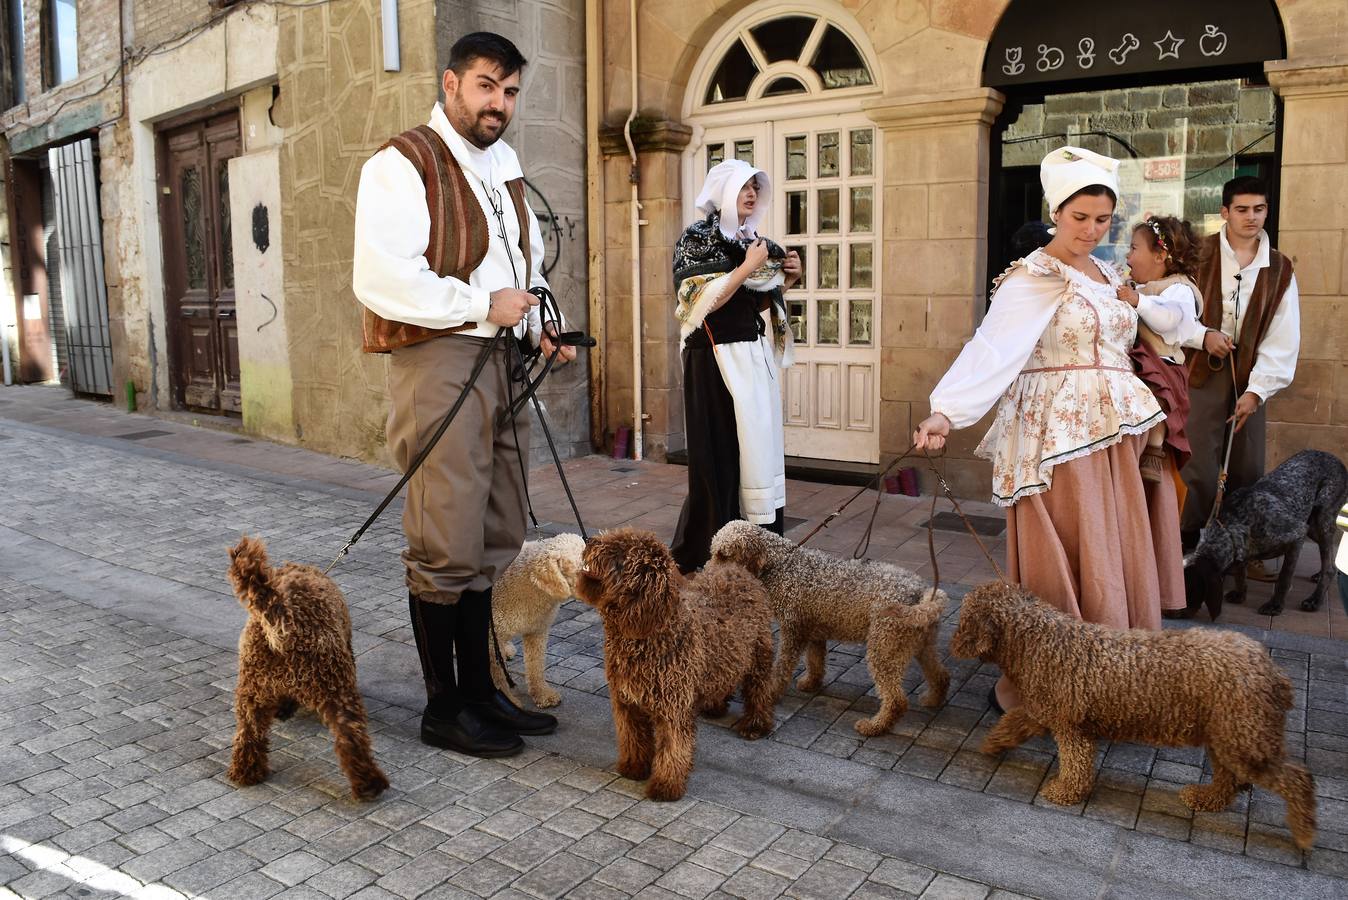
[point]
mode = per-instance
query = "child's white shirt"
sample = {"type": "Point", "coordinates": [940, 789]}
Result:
{"type": "Point", "coordinates": [1172, 314]}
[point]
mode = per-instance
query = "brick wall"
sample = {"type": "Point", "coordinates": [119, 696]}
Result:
{"type": "Point", "coordinates": [159, 20]}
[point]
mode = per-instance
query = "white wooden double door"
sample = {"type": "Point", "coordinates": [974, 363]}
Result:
{"type": "Point", "coordinates": [826, 207]}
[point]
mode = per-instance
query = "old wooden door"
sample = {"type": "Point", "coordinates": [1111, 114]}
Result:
{"type": "Point", "coordinates": [199, 263]}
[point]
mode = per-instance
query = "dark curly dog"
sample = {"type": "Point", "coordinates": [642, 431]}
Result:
{"type": "Point", "coordinates": [1269, 519]}
{"type": "Point", "coordinates": [1181, 688]}
{"type": "Point", "coordinates": [819, 598]}
{"type": "Point", "coordinates": [673, 649]}
{"type": "Point", "coordinates": [296, 650]}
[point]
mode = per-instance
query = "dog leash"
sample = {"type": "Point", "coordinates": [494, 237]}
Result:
{"type": "Point", "coordinates": [547, 304]}
{"type": "Point", "coordinates": [1230, 443]}
{"type": "Point", "coordinates": [864, 543]}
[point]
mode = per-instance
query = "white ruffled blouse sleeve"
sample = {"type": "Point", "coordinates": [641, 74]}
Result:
{"type": "Point", "coordinates": [1022, 308]}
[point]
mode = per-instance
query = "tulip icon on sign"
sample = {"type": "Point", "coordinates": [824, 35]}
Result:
{"type": "Point", "coordinates": [1213, 41]}
{"type": "Point", "coordinates": [1013, 64]}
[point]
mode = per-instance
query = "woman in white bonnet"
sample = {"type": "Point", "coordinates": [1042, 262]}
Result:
{"type": "Point", "coordinates": [1072, 419]}
{"type": "Point", "coordinates": [729, 282]}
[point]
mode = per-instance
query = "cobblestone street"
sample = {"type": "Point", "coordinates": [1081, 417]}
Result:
{"type": "Point", "coordinates": [117, 665]}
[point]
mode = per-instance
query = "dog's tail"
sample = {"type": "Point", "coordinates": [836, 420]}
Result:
{"type": "Point", "coordinates": [252, 575]}
{"type": "Point", "coordinates": [925, 613]}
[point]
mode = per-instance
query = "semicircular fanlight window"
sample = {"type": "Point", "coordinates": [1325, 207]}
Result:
{"type": "Point", "coordinates": [838, 61]}
{"type": "Point", "coordinates": [733, 76]}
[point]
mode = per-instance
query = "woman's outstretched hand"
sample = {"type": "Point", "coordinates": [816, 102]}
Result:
{"type": "Point", "coordinates": [932, 432]}
{"type": "Point", "coordinates": [791, 269]}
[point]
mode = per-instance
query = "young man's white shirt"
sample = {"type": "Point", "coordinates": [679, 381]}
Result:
{"type": "Point", "coordinates": [390, 274]}
{"type": "Point", "coordinates": [1277, 359]}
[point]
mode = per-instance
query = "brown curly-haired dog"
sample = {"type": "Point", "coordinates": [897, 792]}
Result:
{"type": "Point", "coordinates": [1183, 688]}
{"type": "Point", "coordinates": [296, 650]}
{"type": "Point", "coordinates": [818, 598]}
{"type": "Point", "coordinates": [673, 649]}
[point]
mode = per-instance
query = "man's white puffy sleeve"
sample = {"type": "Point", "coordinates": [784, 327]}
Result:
{"type": "Point", "coordinates": [1275, 365]}
{"type": "Point", "coordinates": [389, 272]}
{"type": "Point", "coordinates": [1021, 309]}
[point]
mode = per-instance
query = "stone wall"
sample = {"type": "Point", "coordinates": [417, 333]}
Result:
{"type": "Point", "coordinates": [548, 133]}
{"type": "Point", "coordinates": [337, 105]}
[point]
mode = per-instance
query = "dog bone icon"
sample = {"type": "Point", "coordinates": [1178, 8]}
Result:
{"type": "Point", "coordinates": [1127, 44]}
{"type": "Point", "coordinates": [1086, 53]}
{"type": "Point", "coordinates": [1050, 58]}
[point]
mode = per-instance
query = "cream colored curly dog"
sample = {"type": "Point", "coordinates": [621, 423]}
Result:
{"type": "Point", "coordinates": [818, 598]}
{"type": "Point", "coordinates": [524, 602]}
{"type": "Point", "coordinates": [1182, 688]}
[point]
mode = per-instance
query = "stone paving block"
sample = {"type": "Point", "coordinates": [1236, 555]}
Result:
{"type": "Point", "coordinates": [229, 833]}
{"type": "Point", "coordinates": [171, 857]}
{"type": "Point", "coordinates": [380, 860]}
{"type": "Point", "coordinates": [414, 840]}
{"type": "Point", "coordinates": [531, 848]}
{"type": "Point", "coordinates": [629, 829]}
{"type": "Point", "coordinates": [789, 867]}
{"type": "Point", "coordinates": [294, 867]}
{"type": "Point", "coordinates": [471, 845]}
{"type": "Point", "coordinates": [594, 890]}
{"type": "Point", "coordinates": [573, 823]}
{"type": "Point", "coordinates": [507, 824]}
{"type": "Point", "coordinates": [903, 875]}
{"type": "Point", "coordinates": [348, 840]}
{"type": "Point", "coordinates": [871, 891]}
{"type": "Point", "coordinates": [211, 872]}
{"type": "Point", "coordinates": [628, 875]}
{"type": "Point", "coordinates": [802, 845]}
{"type": "Point", "coordinates": [549, 801]}
{"type": "Point", "coordinates": [556, 876]}
{"type": "Point", "coordinates": [948, 887]}
{"type": "Point", "coordinates": [748, 836]}
{"type": "Point", "coordinates": [452, 820]}
{"type": "Point", "coordinates": [690, 880]}
{"type": "Point", "coordinates": [601, 847]}
{"type": "Point", "coordinates": [341, 880]}
{"type": "Point", "coordinates": [826, 880]}
{"type": "Point", "coordinates": [661, 853]}
{"type": "Point", "coordinates": [755, 884]}
{"type": "Point", "coordinates": [606, 803]}
{"type": "Point", "coordinates": [421, 874]}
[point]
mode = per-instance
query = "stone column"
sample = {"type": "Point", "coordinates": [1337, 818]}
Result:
{"type": "Point", "coordinates": [934, 279]}
{"type": "Point", "coordinates": [1313, 230]}
{"type": "Point", "coordinates": [659, 147]}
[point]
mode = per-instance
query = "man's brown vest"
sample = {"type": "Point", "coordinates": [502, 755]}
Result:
{"type": "Point", "coordinates": [1256, 318]}
{"type": "Point", "coordinates": [458, 239]}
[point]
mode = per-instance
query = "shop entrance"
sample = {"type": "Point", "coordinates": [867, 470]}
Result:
{"type": "Point", "coordinates": [1175, 92]}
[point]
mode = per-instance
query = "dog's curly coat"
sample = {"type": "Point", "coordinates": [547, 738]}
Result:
{"type": "Point", "coordinates": [673, 649]}
{"type": "Point", "coordinates": [524, 603]}
{"type": "Point", "coordinates": [818, 598]}
{"type": "Point", "coordinates": [295, 649]}
{"type": "Point", "coordinates": [1182, 688]}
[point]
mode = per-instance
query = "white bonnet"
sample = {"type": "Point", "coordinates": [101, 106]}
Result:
{"type": "Point", "coordinates": [1069, 169]}
{"type": "Point", "coordinates": [721, 190]}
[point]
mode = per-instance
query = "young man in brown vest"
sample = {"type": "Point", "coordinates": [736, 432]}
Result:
{"type": "Point", "coordinates": [1253, 325]}
{"type": "Point", "coordinates": [446, 249]}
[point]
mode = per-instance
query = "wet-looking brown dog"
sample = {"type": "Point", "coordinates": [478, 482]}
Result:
{"type": "Point", "coordinates": [295, 650]}
{"type": "Point", "coordinates": [674, 649]}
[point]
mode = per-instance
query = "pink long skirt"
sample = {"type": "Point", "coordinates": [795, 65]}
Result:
{"type": "Point", "coordinates": [1101, 544]}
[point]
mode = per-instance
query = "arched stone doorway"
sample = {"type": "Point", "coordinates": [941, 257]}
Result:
{"type": "Point", "coordinates": [782, 86]}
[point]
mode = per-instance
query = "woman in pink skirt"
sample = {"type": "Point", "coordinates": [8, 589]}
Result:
{"type": "Point", "coordinates": [1071, 424]}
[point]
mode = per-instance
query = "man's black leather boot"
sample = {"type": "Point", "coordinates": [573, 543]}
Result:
{"type": "Point", "coordinates": [446, 722]}
{"type": "Point", "coordinates": [473, 646]}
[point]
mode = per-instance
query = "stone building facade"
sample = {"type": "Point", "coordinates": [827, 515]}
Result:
{"type": "Point", "coordinates": [947, 153]}
{"type": "Point", "coordinates": [229, 142]}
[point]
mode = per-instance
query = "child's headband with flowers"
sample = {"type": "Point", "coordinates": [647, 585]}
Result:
{"type": "Point", "coordinates": [1155, 225]}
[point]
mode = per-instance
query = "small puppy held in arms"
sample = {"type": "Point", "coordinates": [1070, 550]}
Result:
{"type": "Point", "coordinates": [1270, 519]}
{"type": "Point", "coordinates": [674, 649]}
{"type": "Point", "coordinates": [524, 602]}
{"type": "Point", "coordinates": [295, 650]}
{"type": "Point", "coordinates": [1183, 688]}
{"type": "Point", "coordinates": [818, 598]}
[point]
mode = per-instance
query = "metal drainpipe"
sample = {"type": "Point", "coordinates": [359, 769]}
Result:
{"type": "Point", "coordinates": [638, 417]}
{"type": "Point", "coordinates": [594, 196]}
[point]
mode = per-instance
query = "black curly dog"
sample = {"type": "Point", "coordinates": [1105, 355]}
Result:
{"type": "Point", "coordinates": [1269, 519]}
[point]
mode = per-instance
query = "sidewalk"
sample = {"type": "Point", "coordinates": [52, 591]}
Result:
{"type": "Point", "coordinates": [117, 636]}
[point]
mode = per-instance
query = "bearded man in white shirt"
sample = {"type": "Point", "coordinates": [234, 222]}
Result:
{"type": "Point", "coordinates": [1253, 326]}
{"type": "Point", "coordinates": [446, 249]}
